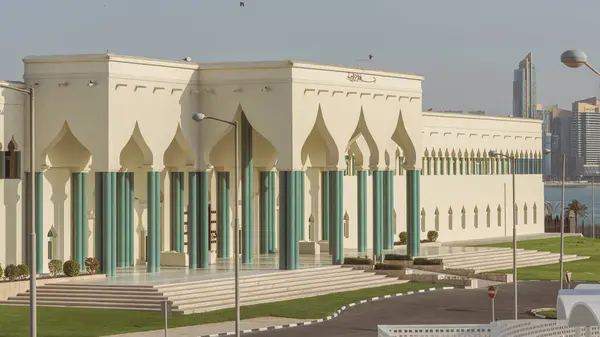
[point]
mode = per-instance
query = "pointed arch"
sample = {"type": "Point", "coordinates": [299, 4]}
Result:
{"type": "Point", "coordinates": [66, 150]}
{"type": "Point", "coordinates": [319, 148]}
{"type": "Point", "coordinates": [179, 153]}
{"type": "Point", "coordinates": [450, 219]}
{"type": "Point", "coordinates": [534, 213]}
{"type": "Point", "coordinates": [499, 215]}
{"type": "Point", "coordinates": [423, 218]}
{"type": "Point", "coordinates": [476, 217]}
{"type": "Point", "coordinates": [488, 216]}
{"type": "Point", "coordinates": [463, 218]}
{"type": "Point", "coordinates": [10, 168]}
{"type": "Point", "coordinates": [136, 152]}
{"type": "Point", "coordinates": [525, 214]}
{"type": "Point", "coordinates": [437, 219]}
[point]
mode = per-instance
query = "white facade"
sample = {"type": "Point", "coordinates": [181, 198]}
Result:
{"type": "Point", "coordinates": [111, 113]}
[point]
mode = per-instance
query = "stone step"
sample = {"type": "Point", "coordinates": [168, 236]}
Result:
{"type": "Point", "coordinates": [483, 252]}
{"type": "Point", "coordinates": [308, 286]}
{"type": "Point", "coordinates": [91, 294]}
{"type": "Point", "coordinates": [520, 260]}
{"type": "Point", "coordinates": [112, 287]}
{"type": "Point", "coordinates": [229, 301]}
{"type": "Point", "coordinates": [133, 290]}
{"type": "Point", "coordinates": [93, 299]}
{"type": "Point", "coordinates": [499, 255]}
{"type": "Point", "coordinates": [474, 264]}
{"type": "Point", "coordinates": [82, 306]}
{"type": "Point", "coordinates": [87, 304]}
{"type": "Point", "coordinates": [531, 264]}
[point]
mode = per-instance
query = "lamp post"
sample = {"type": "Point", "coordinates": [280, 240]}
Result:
{"type": "Point", "coordinates": [496, 154]}
{"type": "Point", "coordinates": [32, 245]}
{"type": "Point", "coordinates": [576, 59]}
{"type": "Point", "coordinates": [562, 221]}
{"type": "Point", "coordinates": [198, 117]}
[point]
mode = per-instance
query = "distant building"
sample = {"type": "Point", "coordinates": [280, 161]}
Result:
{"type": "Point", "coordinates": [524, 93]}
{"type": "Point", "coordinates": [545, 115]}
{"type": "Point", "coordinates": [470, 112]}
{"type": "Point", "coordinates": [585, 137]}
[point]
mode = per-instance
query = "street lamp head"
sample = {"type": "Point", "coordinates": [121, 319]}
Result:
{"type": "Point", "coordinates": [493, 154]}
{"type": "Point", "coordinates": [547, 151]}
{"type": "Point", "coordinates": [198, 116]}
{"type": "Point", "coordinates": [573, 58]}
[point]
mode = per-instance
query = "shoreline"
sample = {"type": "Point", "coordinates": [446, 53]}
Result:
{"type": "Point", "coordinates": [567, 184]}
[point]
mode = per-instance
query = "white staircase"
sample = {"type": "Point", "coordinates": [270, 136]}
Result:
{"type": "Point", "coordinates": [493, 259]}
{"type": "Point", "coordinates": [207, 295]}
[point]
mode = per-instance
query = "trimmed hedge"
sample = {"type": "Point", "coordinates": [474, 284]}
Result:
{"type": "Point", "coordinates": [358, 261]}
{"type": "Point", "coordinates": [403, 236]}
{"type": "Point", "coordinates": [1, 272]}
{"type": "Point", "coordinates": [23, 271]}
{"type": "Point", "coordinates": [71, 268]}
{"type": "Point", "coordinates": [55, 267]}
{"type": "Point", "coordinates": [432, 236]}
{"type": "Point", "coordinates": [397, 257]}
{"type": "Point", "coordinates": [385, 266]}
{"type": "Point", "coordinates": [11, 272]}
{"type": "Point", "coordinates": [421, 261]}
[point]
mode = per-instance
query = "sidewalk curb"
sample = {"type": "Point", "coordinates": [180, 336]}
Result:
{"type": "Point", "coordinates": [328, 318]}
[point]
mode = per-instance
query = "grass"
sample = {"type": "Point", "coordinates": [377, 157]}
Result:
{"type": "Point", "coordinates": [583, 270]}
{"type": "Point", "coordinates": [548, 313]}
{"type": "Point", "coordinates": [72, 322]}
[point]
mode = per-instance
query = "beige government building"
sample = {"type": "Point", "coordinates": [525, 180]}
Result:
{"type": "Point", "coordinates": [332, 160]}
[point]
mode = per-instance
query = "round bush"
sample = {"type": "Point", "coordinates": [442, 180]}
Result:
{"type": "Point", "coordinates": [55, 267]}
{"type": "Point", "coordinates": [71, 268]}
{"type": "Point", "coordinates": [403, 238]}
{"type": "Point", "coordinates": [432, 236]}
{"type": "Point", "coordinates": [91, 265]}
{"type": "Point", "coordinates": [1, 272]}
{"type": "Point", "coordinates": [23, 271]}
{"type": "Point", "coordinates": [11, 272]}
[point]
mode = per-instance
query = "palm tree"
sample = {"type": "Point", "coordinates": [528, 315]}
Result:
{"type": "Point", "coordinates": [578, 208]}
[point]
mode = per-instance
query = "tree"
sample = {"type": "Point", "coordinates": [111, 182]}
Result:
{"type": "Point", "coordinates": [578, 208]}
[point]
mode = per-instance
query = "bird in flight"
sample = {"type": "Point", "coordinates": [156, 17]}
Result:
{"type": "Point", "coordinates": [242, 4]}
{"type": "Point", "coordinates": [370, 56]}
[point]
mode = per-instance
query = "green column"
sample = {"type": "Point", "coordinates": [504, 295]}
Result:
{"type": "Point", "coordinates": [264, 212]}
{"type": "Point", "coordinates": [336, 217]}
{"type": "Point", "coordinates": [247, 168]}
{"type": "Point", "coordinates": [378, 213]}
{"type": "Point", "coordinates": [388, 209]}
{"type": "Point", "coordinates": [113, 231]}
{"type": "Point", "coordinates": [98, 221]}
{"type": "Point", "coordinates": [192, 219]}
{"type": "Point", "coordinates": [105, 240]}
{"type": "Point", "coordinates": [77, 219]}
{"type": "Point", "coordinates": [153, 222]}
{"type": "Point", "coordinates": [362, 211]}
{"type": "Point", "coordinates": [288, 243]}
{"type": "Point", "coordinates": [177, 211]}
{"type": "Point", "coordinates": [325, 196]}
{"type": "Point", "coordinates": [39, 220]}
{"type": "Point", "coordinates": [301, 176]}
{"type": "Point", "coordinates": [122, 222]}
{"type": "Point", "coordinates": [272, 222]}
{"type": "Point", "coordinates": [413, 201]}
{"type": "Point", "coordinates": [223, 218]}
{"type": "Point", "coordinates": [84, 218]}
{"type": "Point", "coordinates": [130, 222]}
{"type": "Point", "coordinates": [203, 221]}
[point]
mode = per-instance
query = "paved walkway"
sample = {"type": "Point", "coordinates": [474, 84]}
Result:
{"type": "Point", "coordinates": [208, 329]}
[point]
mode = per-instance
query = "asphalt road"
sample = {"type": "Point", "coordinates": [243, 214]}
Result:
{"type": "Point", "coordinates": [437, 307]}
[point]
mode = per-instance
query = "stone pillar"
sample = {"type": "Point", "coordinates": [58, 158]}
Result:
{"type": "Point", "coordinates": [130, 202]}
{"type": "Point", "coordinates": [153, 222]}
{"type": "Point", "coordinates": [79, 206]}
{"type": "Point", "coordinates": [362, 210]}
{"type": "Point", "coordinates": [325, 205]}
{"type": "Point", "coordinates": [106, 224]}
{"type": "Point", "coordinates": [289, 254]}
{"type": "Point", "coordinates": [336, 216]}
{"type": "Point", "coordinates": [177, 211]}
{"type": "Point", "coordinates": [247, 193]}
{"type": "Point", "coordinates": [223, 217]}
{"type": "Point", "coordinates": [413, 201]}
{"type": "Point", "coordinates": [378, 213]}
{"type": "Point", "coordinates": [300, 191]}
{"type": "Point", "coordinates": [192, 219]}
{"type": "Point", "coordinates": [388, 209]}
{"type": "Point", "coordinates": [267, 212]}
{"type": "Point", "coordinates": [203, 221]}
{"type": "Point", "coordinates": [122, 219]}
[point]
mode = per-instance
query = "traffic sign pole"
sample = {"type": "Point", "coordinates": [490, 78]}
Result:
{"type": "Point", "coordinates": [493, 310]}
{"type": "Point", "coordinates": [492, 291]}
{"type": "Point", "coordinates": [568, 277]}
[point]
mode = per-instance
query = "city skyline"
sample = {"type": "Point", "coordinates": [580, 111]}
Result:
{"type": "Point", "coordinates": [401, 36]}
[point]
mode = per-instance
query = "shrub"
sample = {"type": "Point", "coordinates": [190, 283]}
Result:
{"type": "Point", "coordinates": [23, 271]}
{"type": "Point", "coordinates": [1, 272]}
{"type": "Point", "coordinates": [358, 261]}
{"type": "Point", "coordinates": [397, 257]}
{"type": "Point", "coordinates": [385, 266]}
{"type": "Point", "coordinates": [421, 261]}
{"type": "Point", "coordinates": [71, 268]}
{"type": "Point", "coordinates": [403, 238]}
{"type": "Point", "coordinates": [11, 272]}
{"type": "Point", "coordinates": [55, 267]}
{"type": "Point", "coordinates": [432, 236]}
{"type": "Point", "coordinates": [91, 265]}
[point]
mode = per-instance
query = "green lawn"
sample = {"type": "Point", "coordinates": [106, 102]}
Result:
{"type": "Point", "coordinates": [548, 313]}
{"type": "Point", "coordinates": [584, 270]}
{"type": "Point", "coordinates": [70, 322]}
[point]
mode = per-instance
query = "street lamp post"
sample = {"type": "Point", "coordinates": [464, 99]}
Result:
{"type": "Point", "coordinates": [576, 59]}
{"type": "Point", "coordinates": [32, 234]}
{"type": "Point", "coordinates": [198, 117]}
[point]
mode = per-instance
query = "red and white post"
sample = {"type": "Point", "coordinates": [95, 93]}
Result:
{"type": "Point", "coordinates": [492, 291]}
{"type": "Point", "coordinates": [568, 279]}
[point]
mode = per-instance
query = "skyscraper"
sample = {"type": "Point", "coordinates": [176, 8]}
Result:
{"type": "Point", "coordinates": [524, 102]}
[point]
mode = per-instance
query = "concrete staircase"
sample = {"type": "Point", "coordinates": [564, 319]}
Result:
{"type": "Point", "coordinates": [207, 295]}
{"type": "Point", "coordinates": [493, 259]}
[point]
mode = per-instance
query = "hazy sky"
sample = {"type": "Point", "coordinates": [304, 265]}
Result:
{"type": "Point", "coordinates": [466, 49]}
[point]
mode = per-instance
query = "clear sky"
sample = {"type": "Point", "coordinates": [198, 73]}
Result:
{"type": "Point", "coordinates": [466, 49]}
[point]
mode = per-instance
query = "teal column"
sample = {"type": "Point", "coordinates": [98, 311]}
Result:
{"type": "Point", "coordinates": [192, 219]}
{"type": "Point", "coordinates": [378, 213]}
{"type": "Point", "coordinates": [247, 197]}
{"type": "Point", "coordinates": [264, 212]}
{"type": "Point", "coordinates": [39, 221]}
{"type": "Point", "coordinates": [83, 177]}
{"type": "Point", "coordinates": [106, 216]}
{"type": "Point", "coordinates": [413, 206]}
{"type": "Point", "coordinates": [77, 219]}
{"type": "Point", "coordinates": [203, 221]}
{"type": "Point", "coordinates": [325, 196]}
{"type": "Point", "coordinates": [288, 243]}
{"type": "Point", "coordinates": [362, 211]}
{"type": "Point", "coordinates": [388, 209]}
{"type": "Point", "coordinates": [223, 218]}
{"type": "Point", "coordinates": [130, 222]}
{"type": "Point", "coordinates": [301, 176]}
{"type": "Point", "coordinates": [271, 213]}
{"type": "Point", "coordinates": [153, 222]}
{"type": "Point", "coordinates": [177, 212]}
{"type": "Point", "coordinates": [336, 217]}
{"type": "Point", "coordinates": [122, 223]}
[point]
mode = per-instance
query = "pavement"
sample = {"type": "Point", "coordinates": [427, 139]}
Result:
{"type": "Point", "coordinates": [436, 307]}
